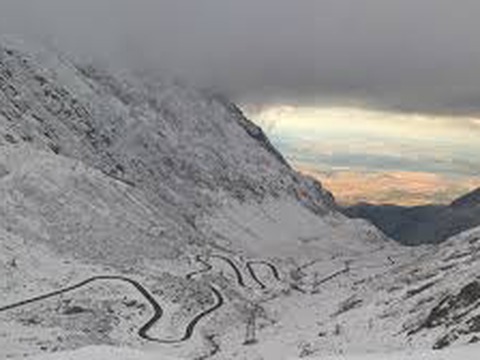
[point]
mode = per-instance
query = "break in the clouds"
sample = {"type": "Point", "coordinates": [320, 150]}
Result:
{"type": "Point", "coordinates": [332, 138]}
{"type": "Point", "coordinates": [365, 155]}
{"type": "Point", "coordinates": [402, 55]}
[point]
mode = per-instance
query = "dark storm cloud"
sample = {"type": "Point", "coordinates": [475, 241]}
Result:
{"type": "Point", "coordinates": [408, 55]}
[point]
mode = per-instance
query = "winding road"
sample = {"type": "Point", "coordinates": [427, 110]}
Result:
{"type": "Point", "coordinates": [230, 262]}
{"type": "Point", "coordinates": [208, 267]}
{"type": "Point", "coordinates": [191, 325]}
{"type": "Point", "coordinates": [157, 308]}
{"type": "Point", "coordinates": [253, 274]}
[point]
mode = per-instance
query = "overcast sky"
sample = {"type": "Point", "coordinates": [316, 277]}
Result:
{"type": "Point", "coordinates": [405, 55]}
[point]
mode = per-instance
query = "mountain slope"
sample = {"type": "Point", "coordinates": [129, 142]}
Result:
{"type": "Point", "coordinates": [184, 148]}
{"type": "Point", "coordinates": [108, 173]}
{"type": "Point", "coordinates": [422, 224]}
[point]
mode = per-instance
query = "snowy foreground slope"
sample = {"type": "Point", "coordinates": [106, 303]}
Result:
{"type": "Point", "coordinates": [101, 353]}
{"type": "Point", "coordinates": [143, 213]}
{"type": "Point", "coordinates": [464, 353]}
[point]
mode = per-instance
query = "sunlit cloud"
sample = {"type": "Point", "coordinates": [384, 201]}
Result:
{"type": "Point", "coordinates": [475, 122]}
{"type": "Point", "coordinates": [423, 158]}
{"type": "Point", "coordinates": [395, 187]}
{"type": "Point", "coordinates": [350, 121]}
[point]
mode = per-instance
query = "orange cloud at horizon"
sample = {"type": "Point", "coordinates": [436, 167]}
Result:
{"type": "Point", "coordinates": [367, 155]}
{"type": "Point", "coordinates": [395, 187]}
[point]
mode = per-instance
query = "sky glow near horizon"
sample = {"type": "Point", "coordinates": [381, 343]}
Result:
{"type": "Point", "coordinates": [388, 157]}
{"type": "Point", "coordinates": [338, 58]}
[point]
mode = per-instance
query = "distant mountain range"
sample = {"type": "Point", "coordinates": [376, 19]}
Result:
{"type": "Point", "coordinates": [429, 224]}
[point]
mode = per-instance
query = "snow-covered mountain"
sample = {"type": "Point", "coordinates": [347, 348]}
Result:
{"type": "Point", "coordinates": [187, 150]}
{"type": "Point", "coordinates": [139, 211]}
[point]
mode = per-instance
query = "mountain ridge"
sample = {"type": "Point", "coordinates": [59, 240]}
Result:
{"type": "Point", "coordinates": [422, 224]}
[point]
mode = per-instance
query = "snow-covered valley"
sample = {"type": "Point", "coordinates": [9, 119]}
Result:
{"type": "Point", "coordinates": [141, 212]}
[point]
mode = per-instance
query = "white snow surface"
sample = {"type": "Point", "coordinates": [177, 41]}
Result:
{"type": "Point", "coordinates": [109, 353]}
{"type": "Point", "coordinates": [105, 172]}
{"type": "Point", "coordinates": [461, 353]}
{"type": "Point", "coordinates": [103, 353]}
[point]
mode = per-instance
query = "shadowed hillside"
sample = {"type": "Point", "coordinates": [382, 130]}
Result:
{"type": "Point", "coordinates": [430, 224]}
